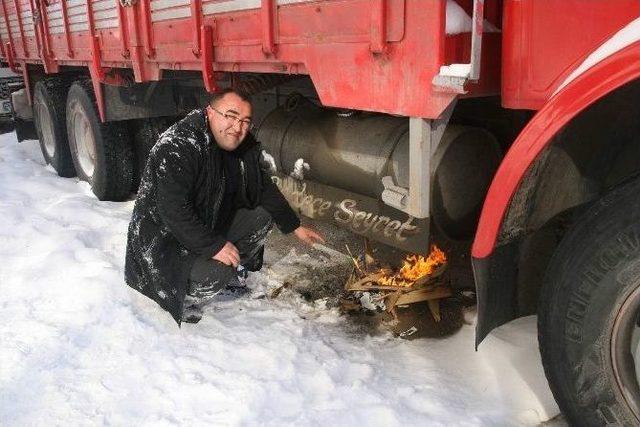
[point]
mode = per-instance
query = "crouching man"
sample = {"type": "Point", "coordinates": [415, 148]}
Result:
{"type": "Point", "coordinates": [204, 208]}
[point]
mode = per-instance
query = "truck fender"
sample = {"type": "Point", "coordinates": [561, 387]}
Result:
{"type": "Point", "coordinates": [495, 287]}
{"type": "Point", "coordinates": [615, 71]}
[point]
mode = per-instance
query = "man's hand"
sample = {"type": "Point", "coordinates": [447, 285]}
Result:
{"type": "Point", "coordinates": [308, 235]}
{"type": "Point", "coordinates": [228, 255]}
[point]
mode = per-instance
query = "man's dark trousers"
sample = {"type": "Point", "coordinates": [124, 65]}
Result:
{"type": "Point", "coordinates": [248, 231]}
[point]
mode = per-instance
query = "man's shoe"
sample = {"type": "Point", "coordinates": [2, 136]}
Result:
{"type": "Point", "coordinates": [192, 314]}
{"type": "Point", "coordinates": [237, 286]}
{"type": "Point", "coordinates": [242, 274]}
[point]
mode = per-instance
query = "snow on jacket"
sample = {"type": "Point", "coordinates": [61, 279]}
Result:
{"type": "Point", "coordinates": [177, 206]}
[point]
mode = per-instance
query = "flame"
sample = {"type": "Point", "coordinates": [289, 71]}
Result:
{"type": "Point", "coordinates": [414, 267]}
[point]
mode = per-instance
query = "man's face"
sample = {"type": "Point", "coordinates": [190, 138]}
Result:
{"type": "Point", "coordinates": [229, 121]}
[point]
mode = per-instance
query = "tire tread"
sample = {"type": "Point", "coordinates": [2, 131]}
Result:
{"type": "Point", "coordinates": [117, 170]}
{"type": "Point", "coordinates": [55, 90]}
{"type": "Point", "coordinates": [580, 244]}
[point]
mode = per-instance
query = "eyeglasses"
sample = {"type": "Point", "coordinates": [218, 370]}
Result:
{"type": "Point", "coordinates": [232, 118]}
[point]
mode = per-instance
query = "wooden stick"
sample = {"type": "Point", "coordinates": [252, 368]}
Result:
{"type": "Point", "coordinates": [369, 260]}
{"type": "Point", "coordinates": [355, 261]}
{"type": "Point", "coordinates": [330, 251]}
{"type": "Point", "coordinates": [434, 307]}
{"type": "Point", "coordinates": [276, 291]}
{"type": "Point", "coordinates": [391, 301]}
{"type": "Point", "coordinates": [427, 278]}
{"type": "Point", "coordinates": [423, 295]}
{"type": "Point", "coordinates": [361, 285]}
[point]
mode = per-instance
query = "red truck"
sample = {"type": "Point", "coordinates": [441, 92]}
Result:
{"type": "Point", "coordinates": [506, 130]}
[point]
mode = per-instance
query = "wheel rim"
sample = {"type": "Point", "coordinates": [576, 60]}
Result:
{"type": "Point", "coordinates": [85, 142]}
{"type": "Point", "coordinates": [46, 129]}
{"type": "Point", "coordinates": [625, 351]}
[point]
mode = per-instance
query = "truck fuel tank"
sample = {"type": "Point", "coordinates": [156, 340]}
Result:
{"type": "Point", "coordinates": [330, 164]}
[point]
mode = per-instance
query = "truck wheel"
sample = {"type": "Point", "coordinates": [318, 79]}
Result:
{"type": "Point", "coordinates": [588, 314]}
{"type": "Point", "coordinates": [49, 98]}
{"type": "Point", "coordinates": [101, 152]}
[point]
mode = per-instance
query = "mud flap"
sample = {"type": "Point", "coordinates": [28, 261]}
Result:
{"type": "Point", "coordinates": [25, 129]}
{"type": "Point", "coordinates": [496, 289]}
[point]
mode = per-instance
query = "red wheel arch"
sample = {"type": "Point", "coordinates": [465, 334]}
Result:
{"type": "Point", "coordinates": [611, 73]}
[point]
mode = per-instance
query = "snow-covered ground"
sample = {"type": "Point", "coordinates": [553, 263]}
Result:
{"type": "Point", "coordinates": [78, 347]}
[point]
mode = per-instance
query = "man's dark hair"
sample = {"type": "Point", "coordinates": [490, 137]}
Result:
{"type": "Point", "coordinates": [220, 94]}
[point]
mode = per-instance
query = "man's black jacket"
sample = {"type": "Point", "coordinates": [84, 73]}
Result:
{"type": "Point", "coordinates": [177, 205]}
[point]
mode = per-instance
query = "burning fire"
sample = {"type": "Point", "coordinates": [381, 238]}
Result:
{"type": "Point", "coordinates": [415, 267]}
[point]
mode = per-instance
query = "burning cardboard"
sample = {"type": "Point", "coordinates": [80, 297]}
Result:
{"type": "Point", "coordinates": [419, 279]}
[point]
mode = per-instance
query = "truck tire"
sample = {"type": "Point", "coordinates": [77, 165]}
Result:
{"type": "Point", "coordinates": [49, 110]}
{"type": "Point", "coordinates": [588, 314]}
{"type": "Point", "coordinates": [101, 152]}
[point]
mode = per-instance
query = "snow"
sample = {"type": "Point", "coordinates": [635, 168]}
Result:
{"type": "Point", "coordinates": [622, 39]}
{"type": "Point", "coordinates": [79, 347]}
{"type": "Point", "coordinates": [458, 21]}
{"type": "Point", "coordinates": [298, 169]}
{"type": "Point", "coordinates": [456, 70]}
{"type": "Point", "coordinates": [270, 161]}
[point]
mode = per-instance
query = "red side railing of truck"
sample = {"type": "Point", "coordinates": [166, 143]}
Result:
{"type": "Point", "coordinates": [377, 55]}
